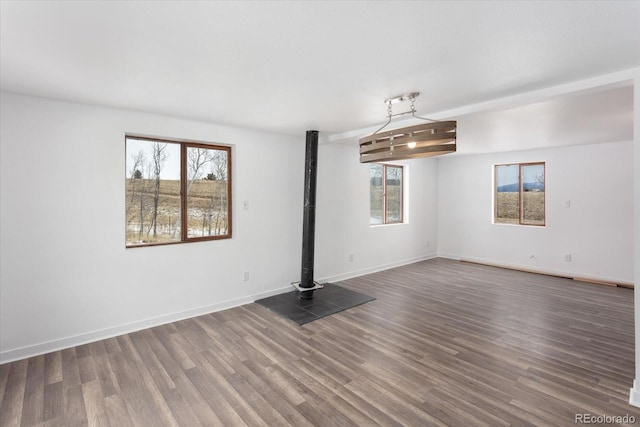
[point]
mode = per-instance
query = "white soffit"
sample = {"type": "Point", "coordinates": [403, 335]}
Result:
{"type": "Point", "coordinates": [586, 117]}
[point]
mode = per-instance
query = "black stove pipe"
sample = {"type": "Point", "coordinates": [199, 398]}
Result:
{"type": "Point", "coordinates": [309, 219]}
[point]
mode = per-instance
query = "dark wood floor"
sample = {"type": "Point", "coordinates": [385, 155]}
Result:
{"type": "Point", "coordinates": [445, 343]}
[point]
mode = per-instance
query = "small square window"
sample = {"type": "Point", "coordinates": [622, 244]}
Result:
{"type": "Point", "coordinates": [520, 194]}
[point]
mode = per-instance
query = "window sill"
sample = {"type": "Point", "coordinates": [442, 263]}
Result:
{"type": "Point", "coordinates": [387, 225]}
{"type": "Point", "coordinates": [519, 225]}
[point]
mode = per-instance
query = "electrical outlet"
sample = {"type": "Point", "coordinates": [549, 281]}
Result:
{"type": "Point", "coordinates": [567, 257]}
{"type": "Point", "coordinates": [350, 257]}
{"type": "Point", "coordinates": [245, 205]}
{"type": "Point", "coordinates": [245, 276]}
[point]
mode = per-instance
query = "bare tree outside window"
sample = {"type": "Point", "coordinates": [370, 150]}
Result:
{"type": "Point", "coordinates": [207, 199]}
{"type": "Point", "coordinates": [159, 158]}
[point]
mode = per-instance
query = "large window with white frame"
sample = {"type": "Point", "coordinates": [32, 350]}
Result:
{"type": "Point", "coordinates": [176, 191]}
{"type": "Point", "coordinates": [386, 194]}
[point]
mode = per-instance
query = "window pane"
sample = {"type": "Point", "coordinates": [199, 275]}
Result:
{"type": "Point", "coordinates": [152, 192]}
{"type": "Point", "coordinates": [507, 194]}
{"type": "Point", "coordinates": [207, 192]}
{"type": "Point", "coordinates": [394, 194]}
{"type": "Point", "coordinates": [376, 194]}
{"type": "Point", "coordinates": [533, 194]}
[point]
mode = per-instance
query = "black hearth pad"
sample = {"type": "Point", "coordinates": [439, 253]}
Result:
{"type": "Point", "coordinates": [332, 299]}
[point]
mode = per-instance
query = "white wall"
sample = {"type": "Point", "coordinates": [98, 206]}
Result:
{"type": "Point", "coordinates": [66, 276]}
{"type": "Point", "coordinates": [342, 221]}
{"type": "Point", "coordinates": [596, 229]}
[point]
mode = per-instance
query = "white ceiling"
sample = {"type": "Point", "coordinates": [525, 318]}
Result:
{"type": "Point", "coordinates": [291, 66]}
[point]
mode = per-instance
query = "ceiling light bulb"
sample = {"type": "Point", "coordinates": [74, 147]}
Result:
{"type": "Point", "coordinates": [411, 144]}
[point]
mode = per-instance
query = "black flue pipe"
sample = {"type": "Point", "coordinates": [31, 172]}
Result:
{"type": "Point", "coordinates": [309, 219]}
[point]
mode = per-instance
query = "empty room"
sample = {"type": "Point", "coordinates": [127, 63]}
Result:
{"type": "Point", "coordinates": [350, 213]}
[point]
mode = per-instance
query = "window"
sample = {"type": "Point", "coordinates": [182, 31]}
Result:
{"type": "Point", "coordinates": [176, 191]}
{"type": "Point", "coordinates": [520, 194]}
{"type": "Point", "coordinates": [386, 194]}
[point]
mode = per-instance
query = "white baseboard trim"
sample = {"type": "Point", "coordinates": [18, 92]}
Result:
{"type": "Point", "coordinates": [547, 271]}
{"type": "Point", "coordinates": [634, 395]}
{"type": "Point", "coordinates": [85, 338]}
{"type": "Point", "coordinates": [72, 341]}
{"type": "Point", "coordinates": [362, 272]}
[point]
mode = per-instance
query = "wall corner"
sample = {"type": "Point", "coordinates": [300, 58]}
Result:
{"type": "Point", "coordinates": [634, 395]}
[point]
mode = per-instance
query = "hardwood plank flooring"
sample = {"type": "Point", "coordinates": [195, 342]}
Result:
{"type": "Point", "coordinates": [444, 343]}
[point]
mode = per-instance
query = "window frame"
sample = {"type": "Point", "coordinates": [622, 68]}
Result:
{"type": "Point", "coordinates": [184, 145]}
{"type": "Point", "coordinates": [521, 219]}
{"type": "Point", "coordinates": [384, 195]}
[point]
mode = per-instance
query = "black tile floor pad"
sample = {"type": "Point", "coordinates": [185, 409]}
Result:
{"type": "Point", "coordinates": [329, 300]}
